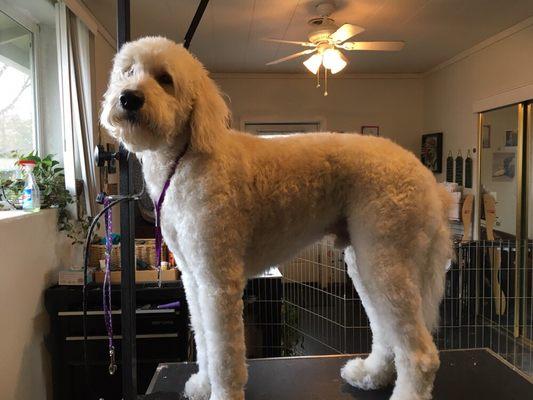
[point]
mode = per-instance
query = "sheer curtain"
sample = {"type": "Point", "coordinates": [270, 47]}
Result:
{"type": "Point", "coordinates": [74, 57]}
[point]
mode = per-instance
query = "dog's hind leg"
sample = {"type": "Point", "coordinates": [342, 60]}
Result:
{"type": "Point", "coordinates": [391, 281]}
{"type": "Point", "coordinates": [198, 386]}
{"type": "Point", "coordinates": [377, 370]}
{"type": "Point", "coordinates": [221, 291]}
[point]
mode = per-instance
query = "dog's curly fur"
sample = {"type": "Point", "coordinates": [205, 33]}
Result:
{"type": "Point", "coordinates": [238, 203]}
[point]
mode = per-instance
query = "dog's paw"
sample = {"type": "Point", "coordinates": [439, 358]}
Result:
{"type": "Point", "coordinates": [228, 396]}
{"type": "Point", "coordinates": [362, 374]}
{"type": "Point", "coordinates": [198, 387]}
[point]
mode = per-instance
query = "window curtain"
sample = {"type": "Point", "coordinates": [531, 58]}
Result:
{"type": "Point", "coordinates": [74, 57]}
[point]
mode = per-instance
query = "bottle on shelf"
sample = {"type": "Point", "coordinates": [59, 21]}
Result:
{"type": "Point", "coordinates": [31, 196]}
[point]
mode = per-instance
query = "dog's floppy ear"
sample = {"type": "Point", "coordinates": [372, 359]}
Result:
{"type": "Point", "coordinates": [209, 116]}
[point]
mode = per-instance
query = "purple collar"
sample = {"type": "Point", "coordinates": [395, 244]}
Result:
{"type": "Point", "coordinates": [157, 209]}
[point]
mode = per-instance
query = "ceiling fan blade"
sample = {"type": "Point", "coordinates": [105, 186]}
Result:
{"type": "Point", "coordinates": [301, 53]}
{"type": "Point", "coordinates": [373, 46]}
{"type": "Point", "coordinates": [306, 44]}
{"type": "Point", "coordinates": [345, 32]}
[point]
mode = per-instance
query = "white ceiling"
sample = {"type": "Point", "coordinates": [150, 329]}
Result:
{"type": "Point", "coordinates": [228, 38]}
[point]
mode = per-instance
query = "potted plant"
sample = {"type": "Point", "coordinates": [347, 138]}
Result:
{"type": "Point", "coordinates": [51, 180]}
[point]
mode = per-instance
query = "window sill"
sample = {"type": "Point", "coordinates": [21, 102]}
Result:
{"type": "Point", "coordinates": [13, 215]}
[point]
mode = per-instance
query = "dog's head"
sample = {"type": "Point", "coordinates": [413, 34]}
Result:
{"type": "Point", "coordinates": [160, 95]}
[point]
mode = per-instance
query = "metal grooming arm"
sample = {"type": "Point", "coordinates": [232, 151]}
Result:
{"type": "Point", "coordinates": [127, 223]}
{"type": "Point", "coordinates": [127, 247]}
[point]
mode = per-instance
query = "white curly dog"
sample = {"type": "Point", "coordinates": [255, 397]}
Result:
{"type": "Point", "coordinates": [239, 203]}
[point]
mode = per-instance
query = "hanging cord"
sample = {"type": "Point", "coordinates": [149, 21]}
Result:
{"type": "Point", "coordinates": [109, 202]}
{"type": "Point", "coordinates": [325, 81]}
{"type": "Point", "coordinates": [108, 316]}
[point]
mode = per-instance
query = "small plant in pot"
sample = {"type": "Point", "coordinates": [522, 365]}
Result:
{"type": "Point", "coordinates": [51, 181]}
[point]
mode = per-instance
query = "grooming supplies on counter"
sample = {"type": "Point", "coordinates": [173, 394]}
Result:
{"type": "Point", "coordinates": [144, 253]}
{"type": "Point", "coordinates": [146, 276]}
{"type": "Point", "coordinates": [74, 276]}
{"type": "Point", "coordinates": [454, 212]}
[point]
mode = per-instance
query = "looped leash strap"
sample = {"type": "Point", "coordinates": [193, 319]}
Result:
{"type": "Point", "coordinates": [108, 316]}
{"type": "Point", "coordinates": [157, 207]}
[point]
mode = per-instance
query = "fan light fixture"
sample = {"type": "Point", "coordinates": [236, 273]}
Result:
{"type": "Point", "coordinates": [313, 63]}
{"type": "Point", "coordinates": [333, 60]}
{"type": "Point", "coordinates": [325, 40]}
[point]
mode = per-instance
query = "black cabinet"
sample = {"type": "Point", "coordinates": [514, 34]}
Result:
{"type": "Point", "coordinates": [162, 336]}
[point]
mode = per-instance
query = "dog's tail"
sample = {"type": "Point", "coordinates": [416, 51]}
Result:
{"type": "Point", "coordinates": [439, 257]}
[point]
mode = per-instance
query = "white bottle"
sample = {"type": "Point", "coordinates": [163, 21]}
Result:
{"type": "Point", "coordinates": [31, 196]}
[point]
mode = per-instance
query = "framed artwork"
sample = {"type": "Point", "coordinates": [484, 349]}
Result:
{"type": "Point", "coordinates": [511, 138]}
{"type": "Point", "coordinates": [372, 130]}
{"type": "Point", "coordinates": [485, 136]}
{"type": "Point", "coordinates": [503, 166]}
{"type": "Point", "coordinates": [431, 154]}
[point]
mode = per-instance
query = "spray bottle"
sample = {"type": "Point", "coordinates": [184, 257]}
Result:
{"type": "Point", "coordinates": [31, 196]}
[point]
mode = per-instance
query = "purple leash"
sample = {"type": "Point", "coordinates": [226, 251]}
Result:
{"type": "Point", "coordinates": [157, 208]}
{"type": "Point", "coordinates": [108, 316]}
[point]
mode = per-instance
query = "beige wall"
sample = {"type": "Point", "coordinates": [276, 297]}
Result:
{"type": "Point", "coordinates": [450, 93]}
{"type": "Point", "coordinates": [29, 246]}
{"type": "Point", "coordinates": [393, 103]}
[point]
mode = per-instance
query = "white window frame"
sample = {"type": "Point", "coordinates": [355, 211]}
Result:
{"type": "Point", "coordinates": [31, 26]}
{"type": "Point", "coordinates": [320, 122]}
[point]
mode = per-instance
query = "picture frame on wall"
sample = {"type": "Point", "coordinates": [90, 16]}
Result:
{"type": "Point", "coordinates": [371, 130]}
{"type": "Point", "coordinates": [485, 136]}
{"type": "Point", "coordinates": [431, 152]}
{"type": "Point", "coordinates": [511, 138]}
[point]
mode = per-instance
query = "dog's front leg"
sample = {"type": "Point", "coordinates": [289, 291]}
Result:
{"type": "Point", "coordinates": [222, 308]}
{"type": "Point", "coordinates": [198, 386]}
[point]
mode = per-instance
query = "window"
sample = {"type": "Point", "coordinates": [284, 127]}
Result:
{"type": "Point", "coordinates": [17, 106]}
{"type": "Point", "coordinates": [280, 128]}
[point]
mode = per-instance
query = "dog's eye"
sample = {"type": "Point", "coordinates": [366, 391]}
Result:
{"type": "Point", "coordinates": [164, 79]}
{"type": "Point", "coordinates": [130, 71]}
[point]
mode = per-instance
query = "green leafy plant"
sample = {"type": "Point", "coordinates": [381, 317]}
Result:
{"type": "Point", "coordinates": [51, 180]}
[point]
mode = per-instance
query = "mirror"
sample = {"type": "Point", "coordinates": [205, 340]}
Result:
{"type": "Point", "coordinates": [498, 172]}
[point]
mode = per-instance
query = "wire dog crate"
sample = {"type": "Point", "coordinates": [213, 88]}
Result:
{"type": "Point", "coordinates": [313, 307]}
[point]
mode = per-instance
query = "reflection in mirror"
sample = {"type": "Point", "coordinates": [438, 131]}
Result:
{"type": "Point", "coordinates": [498, 173]}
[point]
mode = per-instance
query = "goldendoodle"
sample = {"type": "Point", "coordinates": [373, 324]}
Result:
{"type": "Point", "coordinates": [238, 203]}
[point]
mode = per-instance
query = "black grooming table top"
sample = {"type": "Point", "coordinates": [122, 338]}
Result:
{"type": "Point", "coordinates": [464, 374]}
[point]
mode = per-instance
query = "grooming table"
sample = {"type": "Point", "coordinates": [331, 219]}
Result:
{"type": "Point", "coordinates": [464, 374]}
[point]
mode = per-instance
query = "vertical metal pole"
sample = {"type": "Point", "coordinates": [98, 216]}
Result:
{"type": "Point", "coordinates": [127, 248]}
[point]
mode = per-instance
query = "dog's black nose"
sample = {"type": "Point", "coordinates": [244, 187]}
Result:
{"type": "Point", "coordinates": [131, 100]}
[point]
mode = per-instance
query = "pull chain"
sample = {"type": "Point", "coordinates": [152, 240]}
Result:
{"type": "Point", "coordinates": [325, 81]}
{"type": "Point", "coordinates": [318, 77]}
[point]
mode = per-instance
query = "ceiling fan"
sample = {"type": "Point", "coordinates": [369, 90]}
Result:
{"type": "Point", "coordinates": [326, 38]}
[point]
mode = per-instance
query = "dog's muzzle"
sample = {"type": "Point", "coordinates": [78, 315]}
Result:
{"type": "Point", "coordinates": [131, 100]}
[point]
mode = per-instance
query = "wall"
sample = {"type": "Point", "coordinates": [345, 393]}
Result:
{"type": "Point", "coordinates": [29, 245]}
{"type": "Point", "coordinates": [450, 93]}
{"type": "Point", "coordinates": [392, 102]}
